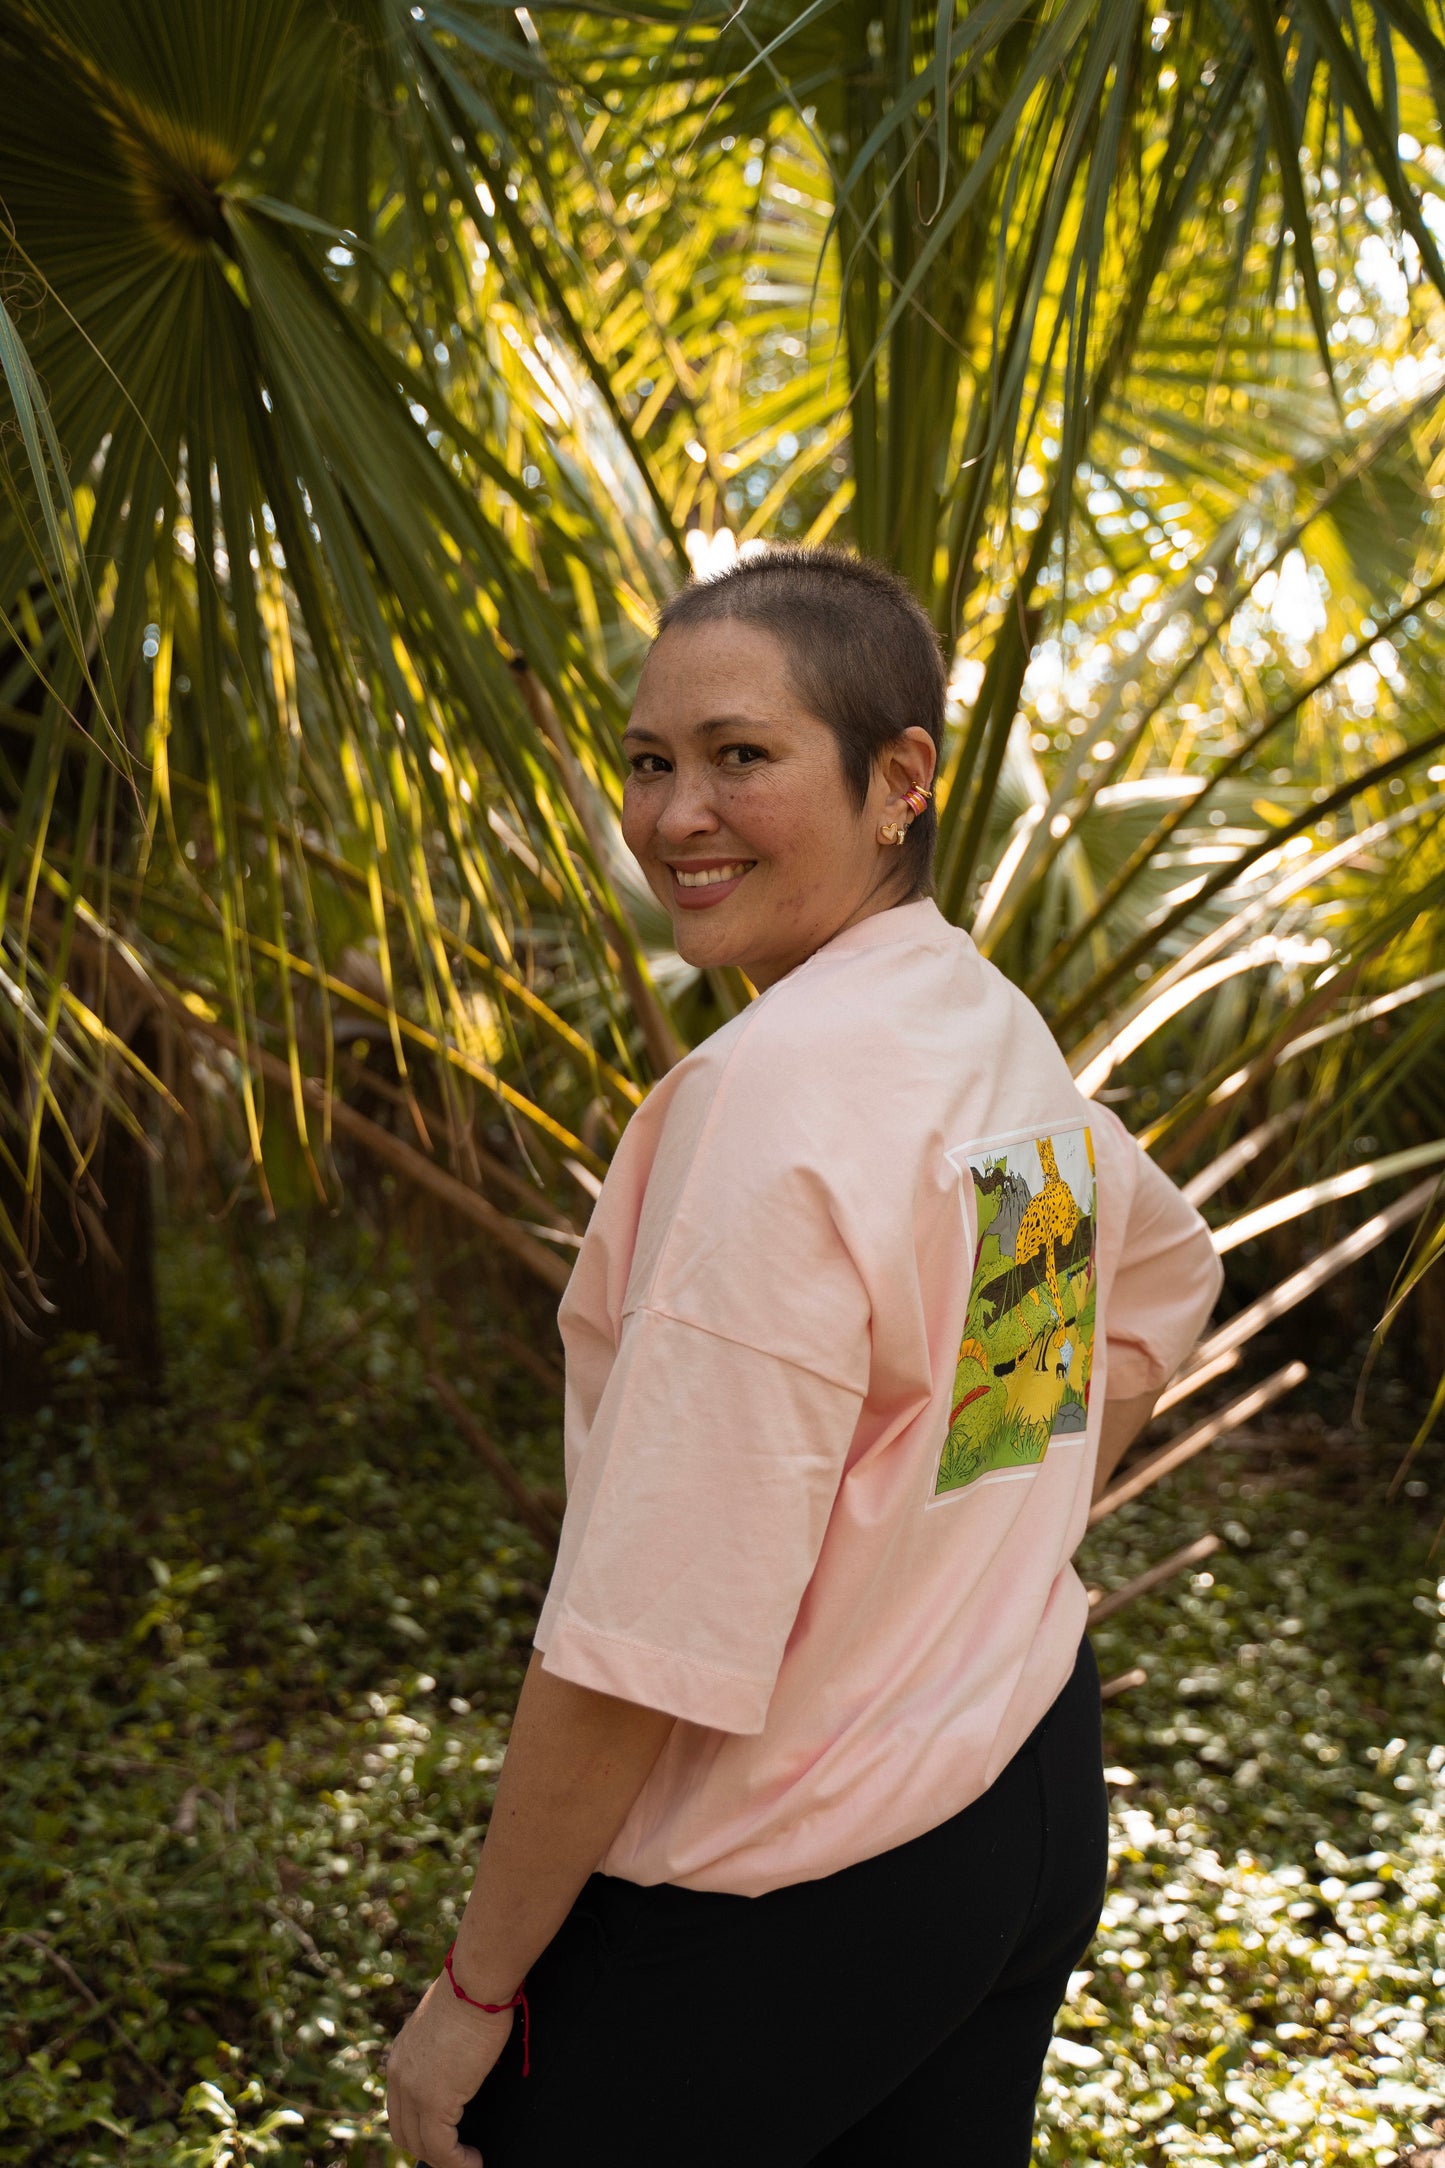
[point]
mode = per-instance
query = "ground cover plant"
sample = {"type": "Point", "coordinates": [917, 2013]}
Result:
{"type": "Point", "coordinates": [266, 1639]}
{"type": "Point", "coordinates": [1266, 1985]}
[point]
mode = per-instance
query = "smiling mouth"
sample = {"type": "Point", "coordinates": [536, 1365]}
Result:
{"type": "Point", "coordinates": [711, 876]}
{"type": "Point", "coordinates": [699, 887]}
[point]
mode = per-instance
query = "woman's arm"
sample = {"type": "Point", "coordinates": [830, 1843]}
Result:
{"type": "Point", "coordinates": [1122, 1423]}
{"type": "Point", "coordinates": [576, 1762]}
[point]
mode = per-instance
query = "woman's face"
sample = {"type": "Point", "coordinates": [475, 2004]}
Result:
{"type": "Point", "coordinates": [736, 809]}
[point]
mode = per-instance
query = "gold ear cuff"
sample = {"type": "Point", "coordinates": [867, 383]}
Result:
{"type": "Point", "coordinates": [916, 801]}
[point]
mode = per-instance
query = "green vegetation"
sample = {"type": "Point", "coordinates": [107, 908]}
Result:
{"type": "Point", "coordinates": [264, 1646]}
{"type": "Point", "coordinates": [271, 1636]}
{"type": "Point", "coordinates": [1266, 1986]}
{"type": "Point", "coordinates": [376, 371]}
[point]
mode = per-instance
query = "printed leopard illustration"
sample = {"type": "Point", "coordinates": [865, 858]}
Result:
{"type": "Point", "coordinates": [1050, 1220]}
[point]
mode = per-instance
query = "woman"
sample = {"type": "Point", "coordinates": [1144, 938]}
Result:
{"type": "Point", "coordinates": [802, 1827]}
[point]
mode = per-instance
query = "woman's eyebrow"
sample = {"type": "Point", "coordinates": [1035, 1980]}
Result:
{"type": "Point", "coordinates": [699, 730]}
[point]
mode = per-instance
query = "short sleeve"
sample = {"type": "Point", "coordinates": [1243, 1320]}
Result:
{"type": "Point", "coordinates": [1167, 1283]}
{"type": "Point", "coordinates": [704, 1484]}
{"type": "Point", "coordinates": [699, 1512]}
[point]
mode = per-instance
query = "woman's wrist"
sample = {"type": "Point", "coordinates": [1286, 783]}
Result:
{"type": "Point", "coordinates": [502, 2008]}
{"type": "Point", "coordinates": [476, 1977]}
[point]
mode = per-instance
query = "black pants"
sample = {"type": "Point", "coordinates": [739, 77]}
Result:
{"type": "Point", "coordinates": [895, 2014]}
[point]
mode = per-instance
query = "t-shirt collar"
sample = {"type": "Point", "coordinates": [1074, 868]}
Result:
{"type": "Point", "coordinates": [920, 920]}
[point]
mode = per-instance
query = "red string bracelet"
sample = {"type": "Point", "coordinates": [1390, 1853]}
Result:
{"type": "Point", "coordinates": [494, 2009]}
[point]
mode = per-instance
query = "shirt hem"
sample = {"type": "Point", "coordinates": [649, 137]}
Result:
{"type": "Point", "coordinates": [680, 1686]}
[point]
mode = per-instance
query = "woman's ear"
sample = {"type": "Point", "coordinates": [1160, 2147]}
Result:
{"type": "Point", "coordinates": [909, 761]}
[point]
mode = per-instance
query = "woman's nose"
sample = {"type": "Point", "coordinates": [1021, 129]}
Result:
{"type": "Point", "coordinates": [688, 811]}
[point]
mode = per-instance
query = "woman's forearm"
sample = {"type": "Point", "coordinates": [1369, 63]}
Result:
{"type": "Point", "coordinates": [576, 1762]}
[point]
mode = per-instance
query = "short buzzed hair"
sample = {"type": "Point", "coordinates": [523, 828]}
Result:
{"type": "Point", "coordinates": [861, 652]}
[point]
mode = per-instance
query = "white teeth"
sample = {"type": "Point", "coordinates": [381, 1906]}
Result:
{"type": "Point", "coordinates": [706, 880]}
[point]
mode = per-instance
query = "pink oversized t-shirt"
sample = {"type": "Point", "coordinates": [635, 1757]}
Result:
{"type": "Point", "coordinates": [838, 1339]}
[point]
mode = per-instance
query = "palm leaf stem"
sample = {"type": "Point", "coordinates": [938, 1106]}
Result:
{"type": "Point", "coordinates": [496, 1171]}
{"type": "Point", "coordinates": [1129, 741]}
{"type": "Point", "coordinates": [1334, 801]}
{"type": "Point", "coordinates": [642, 285]}
{"type": "Point", "coordinates": [1143, 1474]}
{"type": "Point", "coordinates": [505, 981]}
{"type": "Point", "coordinates": [1268, 903]}
{"type": "Point", "coordinates": [1205, 1104]}
{"type": "Point", "coordinates": [356, 997]}
{"type": "Point", "coordinates": [1239, 1155]}
{"type": "Point", "coordinates": [1243, 1069]}
{"type": "Point", "coordinates": [392, 1151]}
{"type": "Point", "coordinates": [453, 102]}
{"type": "Point", "coordinates": [38, 1087]}
{"type": "Point", "coordinates": [341, 869]}
{"type": "Point", "coordinates": [402, 1158]}
{"type": "Point", "coordinates": [1310, 1278]}
{"type": "Point", "coordinates": [1284, 129]}
{"type": "Point", "coordinates": [1417, 33]}
{"type": "Point", "coordinates": [1379, 138]}
{"type": "Point", "coordinates": [980, 757]}
{"type": "Point", "coordinates": [1328, 1191]}
{"type": "Point", "coordinates": [1009, 658]}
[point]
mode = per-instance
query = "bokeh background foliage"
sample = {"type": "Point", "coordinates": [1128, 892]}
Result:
{"type": "Point", "coordinates": [374, 370]}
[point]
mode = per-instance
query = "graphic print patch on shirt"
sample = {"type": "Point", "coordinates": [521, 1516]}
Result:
{"type": "Point", "coordinates": [1028, 1340]}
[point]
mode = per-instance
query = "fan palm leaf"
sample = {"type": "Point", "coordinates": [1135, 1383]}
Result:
{"type": "Point", "coordinates": [408, 345]}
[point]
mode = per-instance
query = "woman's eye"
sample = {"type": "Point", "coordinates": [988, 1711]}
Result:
{"type": "Point", "coordinates": [744, 756]}
{"type": "Point", "coordinates": [647, 764]}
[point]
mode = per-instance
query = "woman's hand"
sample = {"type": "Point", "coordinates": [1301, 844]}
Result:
{"type": "Point", "coordinates": [437, 2061]}
{"type": "Point", "coordinates": [575, 1763]}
